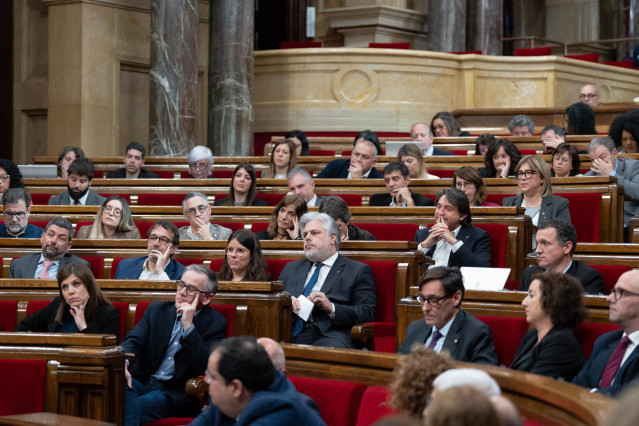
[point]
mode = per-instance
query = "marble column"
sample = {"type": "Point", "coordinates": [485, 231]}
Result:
{"type": "Point", "coordinates": [230, 97]}
{"type": "Point", "coordinates": [628, 26]}
{"type": "Point", "coordinates": [447, 25]}
{"type": "Point", "coordinates": [485, 26]}
{"type": "Point", "coordinates": [173, 94]}
{"type": "Point", "coordinates": [529, 19]}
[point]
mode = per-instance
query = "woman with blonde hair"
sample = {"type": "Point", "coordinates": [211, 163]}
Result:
{"type": "Point", "coordinates": [112, 221]}
{"type": "Point", "coordinates": [411, 155]}
{"type": "Point", "coordinates": [283, 160]}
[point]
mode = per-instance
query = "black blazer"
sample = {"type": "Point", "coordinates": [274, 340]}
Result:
{"type": "Point", "coordinates": [557, 355]}
{"type": "Point", "coordinates": [105, 321]}
{"type": "Point", "coordinates": [590, 278]}
{"type": "Point", "coordinates": [121, 174]}
{"type": "Point", "coordinates": [552, 207]}
{"type": "Point", "coordinates": [382, 200]}
{"type": "Point", "coordinates": [468, 340]}
{"type": "Point", "coordinates": [256, 202]}
{"type": "Point", "coordinates": [442, 152]}
{"type": "Point", "coordinates": [474, 252]}
{"type": "Point", "coordinates": [339, 169]}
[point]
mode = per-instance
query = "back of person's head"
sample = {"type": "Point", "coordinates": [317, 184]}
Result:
{"type": "Point", "coordinates": [581, 119]}
{"type": "Point", "coordinates": [211, 279]}
{"type": "Point", "coordinates": [561, 297]}
{"type": "Point", "coordinates": [61, 223]}
{"type": "Point", "coordinates": [474, 377]}
{"type": "Point", "coordinates": [521, 121]}
{"type": "Point", "coordinates": [336, 208]}
{"type": "Point", "coordinates": [451, 278]}
{"type": "Point", "coordinates": [564, 230]}
{"type": "Point", "coordinates": [396, 166]}
{"type": "Point", "coordinates": [457, 198]}
{"type": "Point", "coordinates": [82, 167]}
{"type": "Point", "coordinates": [461, 406]}
{"type": "Point", "coordinates": [14, 195]}
{"type": "Point", "coordinates": [370, 136]}
{"type": "Point", "coordinates": [137, 146]}
{"type": "Point", "coordinates": [302, 138]}
{"type": "Point", "coordinates": [242, 358]}
{"type": "Point", "coordinates": [169, 226]}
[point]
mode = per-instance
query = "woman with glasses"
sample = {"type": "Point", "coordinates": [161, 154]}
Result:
{"type": "Point", "coordinates": [533, 179]}
{"type": "Point", "coordinates": [500, 160]}
{"type": "Point", "coordinates": [243, 259]}
{"type": "Point", "coordinates": [565, 161]}
{"type": "Point", "coordinates": [81, 307]}
{"type": "Point", "coordinates": [242, 188]}
{"type": "Point", "coordinates": [554, 306]}
{"type": "Point", "coordinates": [284, 223]}
{"type": "Point", "coordinates": [112, 221]}
{"type": "Point", "coordinates": [283, 160]}
{"type": "Point", "coordinates": [10, 176]}
{"type": "Point", "coordinates": [471, 183]}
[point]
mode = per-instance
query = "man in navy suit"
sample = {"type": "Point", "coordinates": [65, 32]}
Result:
{"type": "Point", "coordinates": [397, 180]}
{"type": "Point", "coordinates": [338, 292]}
{"type": "Point", "coordinates": [421, 132]}
{"type": "Point", "coordinates": [360, 166]}
{"type": "Point", "coordinates": [164, 239]}
{"type": "Point", "coordinates": [601, 372]}
{"type": "Point", "coordinates": [452, 240]}
{"type": "Point", "coordinates": [171, 345]}
{"type": "Point", "coordinates": [445, 325]}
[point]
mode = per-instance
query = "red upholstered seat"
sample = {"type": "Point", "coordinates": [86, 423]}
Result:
{"type": "Point", "coordinates": [373, 406]}
{"type": "Point", "coordinates": [476, 52]}
{"type": "Point", "coordinates": [338, 400]}
{"type": "Point", "coordinates": [587, 332]}
{"type": "Point", "coordinates": [384, 327]}
{"type": "Point", "coordinates": [507, 334]}
{"type": "Point", "coordinates": [590, 57]}
{"type": "Point", "coordinates": [610, 274]}
{"type": "Point", "coordinates": [96, 263]}
{"type": "Point", "coordinates": [275, 267]}
{"type": "Point", "coordinates": [271, 199]}
{"type": "Point", "coordinates": [528, 152]}
{"type": "Point", "coordinates": [442, 173]}
{"type": "Point", "coordinates": [321, 152]}
{"type": "Point", "coordinates": [390, 231]}
{"type": "Point", "coordinates": [511, 285]}
{"type": "Point", "coordinates": [216, 265]}
{"type": "Point", "coordinates": [34, 306]}
{"type": "Point", "coordinates": [140, 308]}
{"type": "Point", "coordinates": [160, 199]}
{"type": "Point", "coordinates": [217, 174]}
{"type": "Point", "coordinates": [40, 199]}
{"type": "Point", "coordinates": [352, 200]}
{"type": "Point", "coordinates": [347, 152]}
{"type": "Point", "coordinates": [299, 44]}
{"type": "Point", "coordinates": [144, 227]}
{"type": "Point", "coordinates": [123, 308]}
{"type": "Point", "coordinates": [534, 51]}
{"type": "Point", "coordinates": [497, 198]}
{"type": "Point", "coordinates": [171, 421]}
{"type": "Point", "coordinates": [459, 151]}
{"type": "Point", "coordinates": [39, 223]}
{"type": "Point", "coordinates": [259, 226]}
{"type": "Point", "coordinates": [164, 174]}
{"type": "Point", "coordinates": [127, 197]}
{"type": "Point", "coordinates": [584, 215]}
{"type": "Point", "coordinates": [401, 45]}
{"type": "Point", "coordinates": [23, 386]}
{"type": "Point", "coordinates": [8, 310]}
{"type": "Point", "coordinates": [233, 226]}
{"type": "Point", "coordinates": [98, 174]}
{"type": "Point", "coordinates": [114, 266]}
{"type": "Point", "coordinates": [628, 63]}
{"type": "Point", "coordinates": [498, 242]}
{"type": "Point", "coordinates": [186, 261]}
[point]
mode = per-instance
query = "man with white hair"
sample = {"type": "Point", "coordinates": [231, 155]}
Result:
{"type": "Point", "coordinates": [200, 162]}
{"type": "Point", "coordinates": [474, 377]}
{"type": "Point", "coordinates": [421, 132]}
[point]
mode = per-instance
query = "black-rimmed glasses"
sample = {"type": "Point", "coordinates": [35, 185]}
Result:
{"type": "Point", "coordinates": [433, 301]}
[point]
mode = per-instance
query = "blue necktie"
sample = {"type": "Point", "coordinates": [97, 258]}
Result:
{"type": "Point", "coordinates": [299, 322]}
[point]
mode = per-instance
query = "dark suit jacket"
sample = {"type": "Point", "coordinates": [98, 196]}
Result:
{"type": "Point", "coordinates": [105, 321]}
{"type": "Point", "coordinates": [349, 285]}
{"type": "Point", "coordinates": [590, 278]}
{"type": "Point", "coordinates": [256, 202]}
{"type": "Point", "coordinates": [385, 200]}
{"type": "Point", "coordinates": [64, 199]}
{"type": "Point", "coordinates": [359, 234]}
{"type": "Point", "coordinates": [319, 200]}
{"type": "Point", "coordinates": [25, 266]}
{"type": "Point", "coordinates": [130, 269]}
{"type": "Point", "coordinates": [468, 340]}
{"type": "Point", "coordinates": [474, 252]}
{"type": "Point", "coordinates": [441, 152]}
{"type": "Point", "coordinates": [590, 375]}
{"type": "Point", "coordinates": [557, 355]}
{"type": "Point", "coordinates": [627, 175]}
{"type": "Point", "coordinates": [339, 169]}
{"type": "Point", "coordinates": [121, 174]}
{"type": "Point", "coordinates": [552, 207]}
{"type": "Point", "coordinates": [149, 340]}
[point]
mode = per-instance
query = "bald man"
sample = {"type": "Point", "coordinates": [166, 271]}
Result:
{"type": "Point", "coordinates": [589, 95]}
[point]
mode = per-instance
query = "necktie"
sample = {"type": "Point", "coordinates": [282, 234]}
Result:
{"type": "Point", "coordinates": [299, 322]}
{"type": "Point", "coordinates": [614, 362]}
{"type": "Point", "coordinates": [433, 341]}
{"type": "Point", "coordinates": [76, 203]}
{"type": "Point", "coordinates": [44, 273]}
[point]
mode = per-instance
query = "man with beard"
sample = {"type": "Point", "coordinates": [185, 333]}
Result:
{"type": "Point", "coordinates": [16, 204]}
{"type": "Point", "coordinates": [81, 173]}
{"type": "Point", "coordinates": [164, 239]}
{"type": "Point", "coordinates": [338, 292]}
{"type": "Point", "coordinates": [56, 242]}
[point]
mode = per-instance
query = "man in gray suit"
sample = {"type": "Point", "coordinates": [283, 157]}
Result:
{"type": "Point", "coordinates": [81, 173]}
{"type": "Point", "coordinates": [605, 162]}
{"type": "Point", "coordinates": [330, 293]}
{"type": "Point", "coordinates": [56, 242]}
{"type": "Point", "coordinates": [301, 183]}
{"type": "Point", "coordinates": [197, 211]}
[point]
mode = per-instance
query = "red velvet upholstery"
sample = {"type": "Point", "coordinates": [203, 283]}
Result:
{"type": "Point", "coordinates": [123, 308]}
{"type": "Point", "coordinates": [373, 406]}
{"type": "Point", "coordinates": [144, 227]}
{"type": "Point", "coordinates": [160, 199]}
{"type": "Point", "coordinates": [511, 285]}
{"type": "Point", "coordinates": [321, 152]}
{"type": "Point", "coordinates": [628, 63]}
{"type": "Point", "coordinates": [98, 174]}
{"type": "Point", "coordinates": [96, 263]}
{"type": "Point", "coordinates": [584, 215]}
{"type": "Point", "coordinates": [497, 198]}
{"type": "Point", "coordinates": [610, 274]}
{"type": "Point", "coordinates": [590, 57]}
{"type": "Point", "coordinates": [390, 231]}
{"type": "Point", "coordinates": [216, 264]}
{"type": "Point", "coordinates": [588, 332]}
{"type": "Point", "coordinates": [299, 44]}
{"type": "Point", "coordinates": [275, 267]}
{"type": "Point", "coordinates": [459, 151]}
{"type": "Point", "coordinates": [170, 421]}
{"type": "Point", "coordinates": [528, 152]}
{"type": "Point", "coordinates": [39, 223]}
{"type": "Point", "coordinates": [384, 327]}
{"type": "Point", "coordinates": [442, 173]}
{"type": "Point", "coordinates": [114, 266]}
{"type": "Point", "coordinates": [498, 241]}
{"type": "Point", "coordinates": [259, 226]}
{"type": "Point", "coordinates": [271, 199]}
{"type": "Point", "coordinates": [186, 261]}
{"type": "Point", "coordinates": [127, 197]}
{"type": "Point", "coordinates": [23, 386]}
{"type": "Point", "coordinates": [34, 306]}
{"type": "Point", "coordinates": [507, 334]}
{"type": "Point", "coordinates": [476, 52]}
{"type": "Point", "coordinates": [40, 199]}
{"type": "Point", "coordinates": [352, 200]}
{"type": "Point", "coordinates": [180, 224]}
{"type": "Point", "coordinates": [79, 225]}
{"type": "Point", "coordinates": [347, 152]}
{"type": "Point", "coordinates": [164, 174]}
{"type": "Point", "coordinates": [534, 51]}
{"type": "Point", "coordinates": [338, 401]}
{"type": "Point", "coordinates": [401, 45]}
{"type": "Point", "coordinates": [8, 310]}
{"type": "Point", "coordinates": [140, 308]}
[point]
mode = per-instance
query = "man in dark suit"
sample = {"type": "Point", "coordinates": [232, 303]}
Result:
{"type": "Point", "coordinates": [81, 173]}
{"type": "Point", "coordinates": [133, 161]}
{"type": "Point", "coordinates": [164, 239]}
{"type": "Point", "coordinates": [556, 243]}
{"type": "Point", "coordinates": [56, 242]}
{"type": "Point", "coordinates": [397, 180]}
{"type": "Point", "coordinates": [301, 183]}
{"type": "Point", "coordinates": [421, 132]}
{"type": "Point", "coordinates": [360, 166]}
{"type": "Point", "coordinates": [171, 345]}
{"type": "Point", "coordinates": [330, 293]}
{"type": "Point", "coordinates": [614, 362]}
{"type": "Point", "coordinates": [445, 325]}
{"type": "Point", "coordinates": [452, 240]}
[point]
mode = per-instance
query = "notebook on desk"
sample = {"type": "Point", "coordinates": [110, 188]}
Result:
{"type": "Point", "coordinates": [42, 171]}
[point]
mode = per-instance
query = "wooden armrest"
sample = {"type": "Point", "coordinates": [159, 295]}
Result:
{"type": "Point", "coordinates": [361, 334]}
{"type": "Point", "coordinates": [196, 388]}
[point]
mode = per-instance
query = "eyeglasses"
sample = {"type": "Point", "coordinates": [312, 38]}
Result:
{"type": "Point", "coordinates": [153, 238]}
{"type": "Point", "coordinates": [114, 212]}
{"type": "Point", "coordinates": [620, 292]}
{"type": "Point", "coordinates": [18, 215]}
{"type": "Point", "coordinates": [465, 185]}
{"type": "Point", "coordinates": [526, 175]}
{"type": "Point", "coordinates": [238, 251]}
{"type": "Point", "coordinates": [587, 95]}
{"type": "Point", "coordinates": [4, 178]}
{"type": "Point", "coordinates": [190, 290]}
{"type": "Point", "coordinates": [433, 301]}
{"type": "Point", "coordinates": [193, 211]}
{"type": "Point", "coordinates": [199, 165]}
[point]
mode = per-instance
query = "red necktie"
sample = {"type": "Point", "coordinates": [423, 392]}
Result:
{"type": "Point", "coordinates": [614, 362]}
{"type": "Point", "coordinates": [76, 203]}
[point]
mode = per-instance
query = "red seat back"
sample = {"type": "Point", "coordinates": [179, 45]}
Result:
{"type": "Point", "coordinates": [534, 51]}
{"type": "Point", "coordinates": [384, 327]}
{"type": "Point", "coordinates": [476, 52]}
{"type": "Point", "coordinates": [610, 274]}
{"type": "Point", "coordinates": [628, 63]}
{"type": "Point", "coordinates": [321, 152]}
{"type": "Point", "coordinates": [144, 227]}
{"type": "Point", "coordinates": [275, 267]}
{"type": "Point", "coordinates": [401, 45]}
{"type": "Point", "coordinates": [352, 200]}
{"type": "Point", "coordinates": [34, 306]}
{"type": "Point", "coordinates": [233, 226]}
{"type": "Point", "coordinates": [114, 265]}
{"type": "Point", "coordinates": [40, 199]}
{"type": "Point", "coordinates": [507, 334]}
{"type": "Point", "coordinates": [140, 308]}
{"type": "Point", "coordinates": [590, 57]}
{"type": "Point", "coordinates": [338, 400]}
{"type": "Point", "coordinates": [23, 386]}
{"type": "Point", "coordinates": [228, 312]}
{"type": "Point", "coordinates": [391, 231]}
{"type": "Point", "coordinates": [164, 174]}
{"type": "Point", "coordinates": [259, 226]}
{"type": "Point", "coordinates": [587, 332]}
{"type": "Point", "coordinates": [96, 263]}
{"type": "Point", "coordinates": [584, 215]}
{"type": "Point", "coordinates": [271, 199]}
{"type": "Point", "coordinates": [497, 198]}
{"type": "Point", "coordinates": [186, 261]}
{"type": "Point", "coordinates": [374, 406]}
{"type": "Point", "coordinates": [8, 310]}
{"type": "Point", "coordinates": [442, 173]}
{"type": "Point", "coordinates": [160, 199]}
{"type": "Point", "coordinates": [123, 308]}
{"type": "Point", "coordinates": [39, 223]}
{"type": "Point", "coordinates": [528, 152]}
{"type": "Point", "coordinates": [459, 151]}
{"type": "Point", "coordinates": [216, 265]}
{"type": "Point", "coordinates": [498, 242]}
{"type": "Point", "coordinates": [127, 197]}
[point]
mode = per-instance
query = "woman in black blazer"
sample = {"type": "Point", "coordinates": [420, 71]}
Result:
{"type": "Point", "coordinates": [554, 306]}
{"type": "Point", "coordinates": [80, 308]}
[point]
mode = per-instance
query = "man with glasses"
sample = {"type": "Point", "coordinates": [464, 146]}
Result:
{"type": "Point", "coordinates": [163, 242]}
{"type": "Point", "coordinates": [197, 211]}
{"type": "Point", "coordinates": [556, 243]}
{"type": "Point", "coordinates": [614, 361]}
{"type": "Point", "coordinates": [133, 162]}
{"type": "Point", "coordinates": [200, 162]}
{"type": "Point", "coordinates": [445, 325]}
{"type": "Point", "coordinates": [16, 204]}
{"type": "Point", "coordinates": [171, 345]}
{"type": "Point", "coordinates": [590, 95]}
{"type": "Point", "coordinates": [397, 180]}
